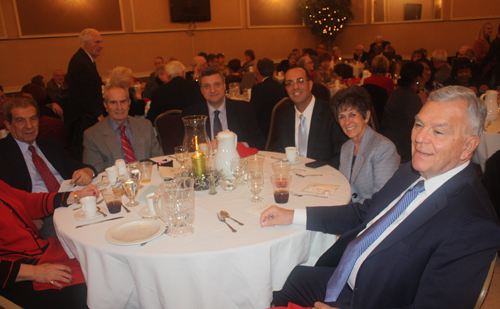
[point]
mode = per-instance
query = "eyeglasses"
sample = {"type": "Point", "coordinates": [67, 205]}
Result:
{"type": "Point", "coordinates": [290, 83]}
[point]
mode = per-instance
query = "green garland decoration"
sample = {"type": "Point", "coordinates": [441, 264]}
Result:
{"type": "Point", "coordinates": [326, 17]}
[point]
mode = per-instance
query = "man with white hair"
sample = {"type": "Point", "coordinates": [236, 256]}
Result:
{"type": "Point", "coordinates": [425, 240]}
{"type": "Point", "coordinates": [56, 86]}
{"type": "Point", "coordinates": [178, 93]}
{"type": "Point", "coordinates": [85, 106]}
{"type": "Point", "coordinates": [360, 55]}
{"type": "Point", "coordinates": [379, 40]}
{"type": "Point", "coordinates": [198, 64]}
{"type": "Point", "coordinates": [443, 69]}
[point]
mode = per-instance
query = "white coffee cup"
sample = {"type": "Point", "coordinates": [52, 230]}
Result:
{"type": "Point", "coordinates": [149, 199]}
{"type": "Point", "coordinates": [89, 205]}
{"type": "Point", "coordinates": [112, 173]}
{"type": "Point", "coordinates": [122, 167]}
{"type": "Point", "coordinates": [291, 154]}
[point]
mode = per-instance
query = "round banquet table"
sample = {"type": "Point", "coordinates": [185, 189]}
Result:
{"type": "Point", "coordinates": [212, 268]}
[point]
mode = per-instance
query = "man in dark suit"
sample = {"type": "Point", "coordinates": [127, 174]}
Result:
{"type": "Point", "coordinates": [266, 94]}
{"type": "Point", "coordinates": [379, 40]}
{"type": "Point", "coordinates": [85, 106]}
{"type": "Point", "coordinates": [56, 86]}
{"type": "Point", "coordinates": [223, 113]}
{"type": "Point", "coordinates": [425, 240]}
{"type": "Point", "coordinates": [177, 93]}
{"type": "Point", "coordinates": [309, 124]}
{"type": "Point", "coordinates": [17, 165]}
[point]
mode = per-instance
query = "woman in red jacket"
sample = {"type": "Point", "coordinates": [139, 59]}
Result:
{"type": "Point", "coordinates": [34, 272]}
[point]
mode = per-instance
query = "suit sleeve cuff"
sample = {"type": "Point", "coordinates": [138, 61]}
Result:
{"type": "Point", "coordinates": [8, 273]}
{"type": "Point", "coordinates": [300, 216]}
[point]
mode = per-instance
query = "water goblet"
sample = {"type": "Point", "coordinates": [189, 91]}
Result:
{"type": "Point", "coordinates": [130, 187]}
{"type": "Point", "coordinates": [181, 154]}
{"type": "Point", "coordinates": [135, 172]}
{"type": "Point", "coordinates": [237, 169]}
{"type": "Point", "coordinates": [255, 184]}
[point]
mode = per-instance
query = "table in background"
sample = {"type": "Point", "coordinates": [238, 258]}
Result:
{"type": "Point", "coordinates": [489, 143]}
{"type": "Point", "coordinates": [213, 268]}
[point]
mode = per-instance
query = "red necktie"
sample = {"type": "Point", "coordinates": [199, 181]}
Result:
{"type": "Point", "coordinates": [48, 178]}
{"type": "Point", "coordinates": [128, 150]}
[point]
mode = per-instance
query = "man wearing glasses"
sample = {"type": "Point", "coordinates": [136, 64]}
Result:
{"type": "Point", "coordinates": [308, 124]}
{"type": "Point", "coordinates": [224, 113]}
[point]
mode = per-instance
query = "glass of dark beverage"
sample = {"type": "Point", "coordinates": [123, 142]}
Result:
{"type": "Point", "coordinates": [281, 188]}
{"type": "Point", "coordinates": [113, 198]}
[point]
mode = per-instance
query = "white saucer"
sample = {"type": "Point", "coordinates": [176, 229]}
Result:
{"type": "Point", "coordinates": [81, 216]}
{"type": "Point", "coordinates": [135, 232]}
{"type": "Point", "coordinates": [145, 212]}
{"type": "Point", "coordinates": [297, 161]}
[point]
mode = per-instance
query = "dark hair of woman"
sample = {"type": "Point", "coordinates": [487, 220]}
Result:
{"type": "Point", "coordinates": [409, 72]}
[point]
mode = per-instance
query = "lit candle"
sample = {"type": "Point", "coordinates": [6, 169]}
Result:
{"type": "Point", "coordinates": [199, 164]}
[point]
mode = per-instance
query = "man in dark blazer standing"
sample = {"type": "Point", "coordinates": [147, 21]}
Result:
{"type": "Point", "coordinates": [425, 240]}
{"type": "Point", "coordinates": [85, 106]}
{"type": "Point", "coordinates": [224, 113]}
{"type": "Point", "coordinates": [177, 93]}
{"type": "Point", "coordinates": [323, 138]}
{"type": "Point", "coordinates": [17, 167]}
{"type": "Point", "coordinates": [266, 94]}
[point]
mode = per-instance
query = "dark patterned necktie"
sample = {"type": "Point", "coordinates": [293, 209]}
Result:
{"type": "Point", "coordinates": [356, 247]}
{"type": "Point", "coordinates": [217, 123]}
{"type": "Point", "coordinates": [48, 178]}
{"type": "Point", "coordinates": [128, 150]}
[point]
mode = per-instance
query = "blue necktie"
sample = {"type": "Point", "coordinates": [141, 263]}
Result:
{"type": "Point", "coordinates": [356, 247]}
{"type": "Point", "coordinates": [302, 136]}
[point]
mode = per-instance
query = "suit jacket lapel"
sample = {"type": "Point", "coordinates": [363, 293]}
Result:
{"type": "Point", "coordinates": [360, 157]}
{"type": "Point", "coordinates": [315, 126]}
{"type": "Point", "coordinates": [111, 141]}
{"type": "Point", "coordinates": [17, 161]}
{"type": "Point", "coordinates": [232, 116]}
{"type": "Point", "coordinates": [431, 206]}
{"type": "Point", "coordinates": [139, 139]}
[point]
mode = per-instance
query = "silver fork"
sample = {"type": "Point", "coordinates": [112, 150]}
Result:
{"type": "Point", "coordinates": [222, 219]}
{"type": "Point", "coordinates": [301, 175]}
{"type": "Point", "coordinates": [307, 194]}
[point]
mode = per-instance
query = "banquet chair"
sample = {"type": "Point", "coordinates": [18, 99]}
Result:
{"type": "Point", "coordinates": [278, 109]}
{"type": "Point", "coordinates": [379, 99]}
{"type": "Point", "coordinates": [168, 125]}
{"type": "Point", "coordinates": [486, 286]}
{"type": "Point", "coordinates": [321, 92]}
{"type": "Point", "coordinates": [7, 304]}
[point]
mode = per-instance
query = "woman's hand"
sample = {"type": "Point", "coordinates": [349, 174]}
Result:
{"type": "Point", "coordinates": [89, 190]}
{"type": "Point", "coordinates": [55, 274]}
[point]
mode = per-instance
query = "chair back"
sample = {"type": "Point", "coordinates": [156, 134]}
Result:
{"type": "Point", "coordinates": [321, 92]}
{"type": "Point", "coordinates": [486, 286]}
{"type": "Point", "coordinates": [278, 109]}
{"type": "Point", "coordinates": [168, 125]}
{"type": "Point", "coordinates": [379, 99]}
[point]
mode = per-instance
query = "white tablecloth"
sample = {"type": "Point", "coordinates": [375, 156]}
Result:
{"type": "Point", "coordinates": [489, 144]}
{"type": "Point", "coordinates": [213, 268]}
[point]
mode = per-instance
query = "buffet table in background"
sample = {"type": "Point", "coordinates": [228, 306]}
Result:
{"type": "Point", "coordinates": [213, 268]}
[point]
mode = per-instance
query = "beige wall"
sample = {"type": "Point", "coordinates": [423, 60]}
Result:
{"type": "Point", "coordinates": [25, 58]}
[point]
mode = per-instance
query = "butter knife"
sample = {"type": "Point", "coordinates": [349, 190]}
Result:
{"type": "Point", "coordinates": [99, 222]}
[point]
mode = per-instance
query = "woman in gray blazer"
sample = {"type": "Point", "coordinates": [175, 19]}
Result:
{"type": "Point", "coordinates": [367, 159]}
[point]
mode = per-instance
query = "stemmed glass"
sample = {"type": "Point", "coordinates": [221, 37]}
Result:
{"type": "Point", "coordinates": [255, 184]}
{"type": "Point", "coordinates": [237, 169]}
{"type": "Point", "coordinates": [130, 186]}
{"type": "Point", "coordinates": [181, 154]}
{"type": "Point", "coordinates": [135, 173]}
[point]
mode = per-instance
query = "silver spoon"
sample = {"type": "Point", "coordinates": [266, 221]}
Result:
{"type": "Point", "coordinates": [222, 219]}
{"type": "Point", "coordinates": [104, 215]}
{"type": "Point", "coordinates": [225, 214]}
{"type": "Point", "coordinates": [307, 194]}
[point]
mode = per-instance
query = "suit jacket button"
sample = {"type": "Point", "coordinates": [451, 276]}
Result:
{"type": "Point", "coordinates": [354, 195]}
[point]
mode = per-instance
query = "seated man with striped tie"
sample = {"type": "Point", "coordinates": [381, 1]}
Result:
{"type": "Point", "coordinates": [32, 163]}
{"type": "Point", "coordinates": [425, 240]}
{"type": "Point", "coordinates": [308, 123]}
{"type": "Point", "coordinates": [119, 136]}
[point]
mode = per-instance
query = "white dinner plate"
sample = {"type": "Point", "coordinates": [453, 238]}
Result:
{"type": "Point", "coordinates": [145, 212]}
{"type": "Point", "coordinates": [81, 216]}
{"type": "Point", "coordinates": [135, 232]}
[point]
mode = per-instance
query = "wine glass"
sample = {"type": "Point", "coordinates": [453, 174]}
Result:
{"type": "Point", "coordinates": [255, 184]}
{"type": "Point", "coordinates": [130, 186]}
{"type": "Point", "coordinates": [181, 154]}
{"type": "Point", "coordinates": [237, 169]}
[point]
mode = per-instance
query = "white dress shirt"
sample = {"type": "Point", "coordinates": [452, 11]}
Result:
{"type": "Point", "coordinates": [308, 114]}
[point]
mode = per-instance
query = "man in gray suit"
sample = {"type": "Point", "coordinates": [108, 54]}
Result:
{"type": "Point", "coordinates": [119, 136]}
